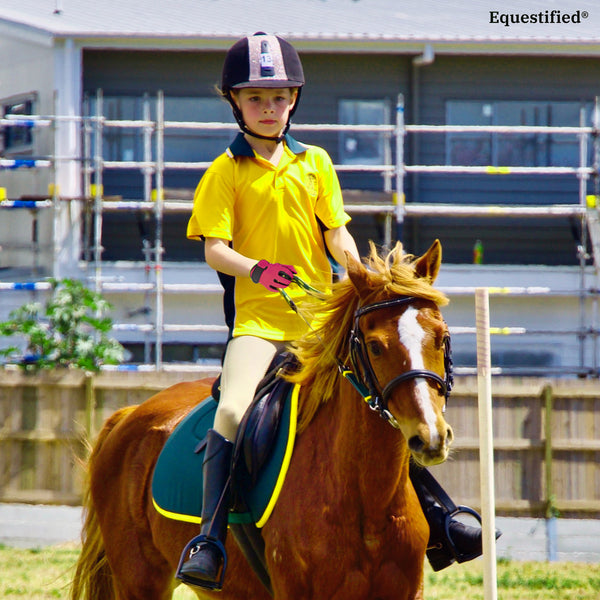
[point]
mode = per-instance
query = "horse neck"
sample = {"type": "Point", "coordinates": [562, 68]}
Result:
{"type": "Point", "coordinates": [367, 453]}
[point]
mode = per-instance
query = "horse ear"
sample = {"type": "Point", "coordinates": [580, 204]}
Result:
{"type": "Point", "coordinates": [358, 274]}
{"type": "Point", "coordinates": [428, 265]}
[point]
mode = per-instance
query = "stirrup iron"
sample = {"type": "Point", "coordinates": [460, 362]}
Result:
{"type": "Point", "coordinates": [193, 547]}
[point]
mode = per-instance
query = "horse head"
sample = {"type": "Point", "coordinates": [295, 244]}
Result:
{"type": "Point", "coordinates": [400, 347]}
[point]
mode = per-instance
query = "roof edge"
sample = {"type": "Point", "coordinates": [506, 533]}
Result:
{"type": "Point", "coordinates": [573, 48]}
{"type": "Point", "coordinates": [25, 32]}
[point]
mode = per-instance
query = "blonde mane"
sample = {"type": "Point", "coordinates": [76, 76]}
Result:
{"type": "Point", "coordinates": [390, 276]}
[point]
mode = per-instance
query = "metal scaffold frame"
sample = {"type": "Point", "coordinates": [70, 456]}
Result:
{"type": "Point", "coordinates": [93, 166]}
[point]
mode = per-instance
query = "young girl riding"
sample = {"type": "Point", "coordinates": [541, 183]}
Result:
{"type": "Point", "coordinates": [269, 208]}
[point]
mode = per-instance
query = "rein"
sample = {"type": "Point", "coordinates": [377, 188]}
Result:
{"type": "Point", "coordinates": [362, 376]}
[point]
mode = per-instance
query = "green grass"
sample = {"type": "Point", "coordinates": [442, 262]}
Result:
{"type": "Point", "coordinates": [45, 574]}
{"type": "Point", "coordinates": [36, 574]}
{"type": "Point", "coordinates": [516, 581]}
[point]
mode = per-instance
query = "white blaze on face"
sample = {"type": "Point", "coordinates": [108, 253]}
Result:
{"type": "Point", "coordinates": [411, 337]}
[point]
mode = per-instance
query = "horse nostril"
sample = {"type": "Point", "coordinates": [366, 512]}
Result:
{"type": "Point", "coordinates": [449, 435]}
{"type": "Point", "coordinates": [416, 443]}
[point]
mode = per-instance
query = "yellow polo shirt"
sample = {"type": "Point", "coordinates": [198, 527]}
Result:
{"type": "Point", "coordinates": [271, 212]}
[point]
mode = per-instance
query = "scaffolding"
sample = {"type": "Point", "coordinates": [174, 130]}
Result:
{"type": "Point", "coordinates": [393, 209]}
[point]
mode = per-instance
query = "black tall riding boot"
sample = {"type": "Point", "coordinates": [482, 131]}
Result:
{"type": "Point", "coordinates": [204, 559]}
{"type": "Point", "coordinates": [449, 539]}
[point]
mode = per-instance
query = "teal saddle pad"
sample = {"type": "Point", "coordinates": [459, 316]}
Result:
{"type": "Point", "coordinates": [177, 479]}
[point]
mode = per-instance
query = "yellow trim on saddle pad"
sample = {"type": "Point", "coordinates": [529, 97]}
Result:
{"type": "Point", "coordinates": [176, 516]}
{"type": "Point", "coordinates": [286, 458]}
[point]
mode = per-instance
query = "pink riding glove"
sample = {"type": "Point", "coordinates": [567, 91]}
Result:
{"type": "Point", "coordinates": [273, 276]}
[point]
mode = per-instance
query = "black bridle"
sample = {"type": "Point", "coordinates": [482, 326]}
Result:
{"type": "Point", "coordinates": [363, 376]}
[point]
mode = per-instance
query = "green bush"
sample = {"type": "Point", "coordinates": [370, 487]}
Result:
{"type": "Point", "coordinates": [70, 330]}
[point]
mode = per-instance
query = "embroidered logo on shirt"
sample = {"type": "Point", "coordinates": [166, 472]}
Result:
{"type": "Point", "coordinates": [312, 185]}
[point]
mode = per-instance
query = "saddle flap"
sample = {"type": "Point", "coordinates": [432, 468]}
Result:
{"type": "Point", "coordinates": [260, 425]}
{"type": "Point", "coordinates": [259, 428]}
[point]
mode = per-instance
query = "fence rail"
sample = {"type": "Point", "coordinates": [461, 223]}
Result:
{"type": "Point", "coordinates": [546, 441]}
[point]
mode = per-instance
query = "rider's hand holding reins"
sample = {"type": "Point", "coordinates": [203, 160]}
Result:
{"type": "Point", "coordinates": [273, 276]}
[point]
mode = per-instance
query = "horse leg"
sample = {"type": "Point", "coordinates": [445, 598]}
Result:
{"type": "Point", "coordinates": [120, 480]}
{"type": "Point", "coordinates": [137, 578]}
{"type": "Point", "coordinates": [148, 590]}
{"type": "Point", "coordinates": [240, 581]}
{"type": "Point", "coordinates": [139, 569]}
{"type": "Point", "coordinates": [420, 593]}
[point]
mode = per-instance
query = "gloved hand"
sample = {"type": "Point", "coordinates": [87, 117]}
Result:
{"type": "Point", "coordinates": [273, 276]}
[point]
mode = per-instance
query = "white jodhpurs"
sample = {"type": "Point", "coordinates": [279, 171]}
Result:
{"type": "Point", "coordinates": [246, 361]}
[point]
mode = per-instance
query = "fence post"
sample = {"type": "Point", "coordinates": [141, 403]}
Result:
{"type": "Point", "coordinates": [486, 443]}
{"type": "Point", "coordinates": [90, 407]}
{"type": "Point", "coordinates": [551, 534]}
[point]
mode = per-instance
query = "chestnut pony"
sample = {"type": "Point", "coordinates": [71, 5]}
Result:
{"type": "Point", "coordinates": [348, 524]}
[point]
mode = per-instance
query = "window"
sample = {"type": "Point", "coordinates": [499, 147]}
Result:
{"type": "Point", "coordinates": [363, 148]}
{"type": "Point", "coordinates": [17, 139]}
{"type": "Point", "coordinates": [527, 150]}
{"type": "Point", "coordinates": [181, 145]}
{"type": "Point", "coordinates": [197, 145]}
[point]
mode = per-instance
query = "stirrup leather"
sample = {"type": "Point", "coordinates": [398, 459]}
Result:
{"type": "Point", "coordinates": [448, 510]}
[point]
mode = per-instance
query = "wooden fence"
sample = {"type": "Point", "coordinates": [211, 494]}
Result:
{"type": "Point", "coordinates": [546, 438]}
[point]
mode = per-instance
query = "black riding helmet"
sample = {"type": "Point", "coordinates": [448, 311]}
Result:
{"type": "Point", "coordinates": [261, 61]}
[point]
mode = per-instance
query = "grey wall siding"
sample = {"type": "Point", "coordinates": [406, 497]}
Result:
{"type": "Point", "coordinates": [505, 78]}
{"type": "Point", "coordinates": [505, 241]}
{"type": "Point", "coordinates": [136, 72]}
{"type": "Point", "coordinates": [331, 78]}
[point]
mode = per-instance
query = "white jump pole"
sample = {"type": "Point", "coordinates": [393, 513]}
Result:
{"type": "Point", "coordinates": [486, 442]}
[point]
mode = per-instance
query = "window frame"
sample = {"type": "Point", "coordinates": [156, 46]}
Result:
{"type": "Point", "coordinates": [536, 145]}
{"type": "Point", "coordinates": [368, 138]}
{"type": "Point", "coordinates": [127, 143]}
{"type": "Point", "coordinates": [18, 140]}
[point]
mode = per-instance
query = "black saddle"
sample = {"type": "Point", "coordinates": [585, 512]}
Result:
{"type": "Point", "coordinates": [258, 429]}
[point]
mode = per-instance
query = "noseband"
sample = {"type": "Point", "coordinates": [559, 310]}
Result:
{"type": "Point", "coordinates": [378, 396]}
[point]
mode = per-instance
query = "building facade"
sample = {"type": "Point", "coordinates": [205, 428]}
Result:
{"type": "Point", "coordinates": [452, 65]}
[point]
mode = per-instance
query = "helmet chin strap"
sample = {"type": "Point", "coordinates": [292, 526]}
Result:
{"type": "Point", "coordinates": [277, 139]}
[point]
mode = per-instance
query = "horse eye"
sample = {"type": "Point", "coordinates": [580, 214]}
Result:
{"type": "Point", "coordinates": [374, 348]}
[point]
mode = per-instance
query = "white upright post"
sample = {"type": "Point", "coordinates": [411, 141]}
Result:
{"type": "Point", "coordinates": [486, 442]}
{"type": "Point", "coordinates": [158, 212]}
{"type": "Point", "coordinates": [400, 133]}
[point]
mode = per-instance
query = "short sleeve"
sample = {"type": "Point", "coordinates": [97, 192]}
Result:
{"type": "Point", "coordinates": [330, 204]}
{"type": "Point", "coordinates": [213, 210]}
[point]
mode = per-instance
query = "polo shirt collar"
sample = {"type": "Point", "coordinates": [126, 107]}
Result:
{"type": "Point", "coordinates": [241, 147]}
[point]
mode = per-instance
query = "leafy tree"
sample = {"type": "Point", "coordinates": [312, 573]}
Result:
{"type": "Point", "coordinates": [70, 330]}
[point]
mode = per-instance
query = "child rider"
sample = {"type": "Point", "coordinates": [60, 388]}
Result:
{"type": "Point", "coordinates": [268, 208]}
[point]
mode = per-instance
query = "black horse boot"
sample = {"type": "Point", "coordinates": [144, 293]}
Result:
{"type": "Point", "coordinates": [204, 560]}
{"type": "Point", "coordinates": [449, 539]}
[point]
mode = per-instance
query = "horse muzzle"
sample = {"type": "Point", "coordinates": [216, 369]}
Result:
{"type": "Point", "coordinates": [431, 448]}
